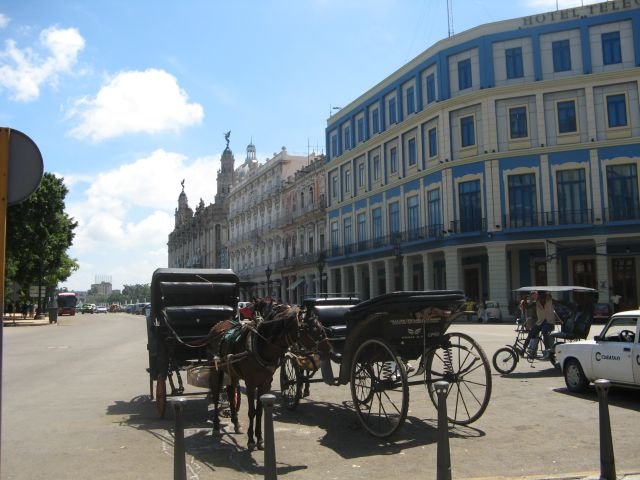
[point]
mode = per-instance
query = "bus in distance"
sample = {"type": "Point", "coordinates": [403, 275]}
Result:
{"type": "Point", "coordinates": [66, 303]}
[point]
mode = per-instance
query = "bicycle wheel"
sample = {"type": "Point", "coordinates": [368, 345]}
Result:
{"type": "Point", "coordinates": [505, 360]}
{"type": "Point", "coordinates": [460, 361]}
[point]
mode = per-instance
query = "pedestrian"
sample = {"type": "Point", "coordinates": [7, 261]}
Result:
{"type": "Point", "coordinates": [485, 313]}
{"type": "Point", "coordinates": [23, 309]}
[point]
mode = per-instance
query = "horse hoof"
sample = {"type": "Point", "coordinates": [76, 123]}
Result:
{"type": "Point", "coordinates": [251, 446]}
{"type": "Point", "coordinates": [237, 428]}
{"type": "Point", "coordinates": [260, 445]}
{"type": "Point", "coordinates": [306, 393]}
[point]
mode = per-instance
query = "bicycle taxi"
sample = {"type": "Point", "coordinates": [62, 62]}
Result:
{"type": "Point", "coordinates": [573, 306]}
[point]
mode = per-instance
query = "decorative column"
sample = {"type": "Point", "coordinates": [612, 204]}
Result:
{"type": "Point", "coordinates": [373, 280]}
{"type": "Point", "coordinates": [602, 270]}
{"type": "Point", "coordinates": [406, 274]}
{"type": "Point", "coordinates": [389, 265]}
{"type": "Point", "coordinates": [498, 274]}
{"type": "Point", "coordinates": [552, 264]}
{"type": "Point", "coordinates": [356, 280]}
{"type": "Point", "coordinates": [452, 266]}
{"type": "Point", "coordinates": [427, 270]}
{"type": "Point", "coordinates": [331, 286]}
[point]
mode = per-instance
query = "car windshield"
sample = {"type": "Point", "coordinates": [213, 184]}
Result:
{"type": "Point", "coordinates": [617, 325]}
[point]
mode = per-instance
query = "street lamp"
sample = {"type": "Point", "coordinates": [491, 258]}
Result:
{"type": "Point", "coordinates": [321, 265]}
{"type": "Point", "coordinates": [268, 273]}
{"type": "Point", "coordinates": [397, 251]}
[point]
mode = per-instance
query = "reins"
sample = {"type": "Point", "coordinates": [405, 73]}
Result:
{"type": "Point", "coordinates": [200, 343]}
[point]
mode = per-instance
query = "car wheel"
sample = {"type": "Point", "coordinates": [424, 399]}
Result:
{"type": "Point", "coordinates": [574, 376]}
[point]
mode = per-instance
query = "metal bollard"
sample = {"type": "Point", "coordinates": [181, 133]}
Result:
{"type": "Point", "coordinates": [179, 462]}
{"type": "Point", "coordinates": [270, 472]}
{"type": "Point", "coordinates": [444, 459]}
{"type": "Point", "coordinates": [607, 462]}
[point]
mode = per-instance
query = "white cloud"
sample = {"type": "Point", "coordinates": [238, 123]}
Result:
{"type": "Point", "coordinates": [148, 101]}
{"type": "Point", "coordinates": [126, 214]}
{"type": "Point", "coordinates": [24, 71]}
{"type": "Point", "coordinates": [4, 21]}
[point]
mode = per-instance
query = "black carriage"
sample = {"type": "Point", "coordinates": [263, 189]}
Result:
{"type": "Point", "coordinates": [185, 304]}
{"type": "Point", "coordinates": [389, 343]}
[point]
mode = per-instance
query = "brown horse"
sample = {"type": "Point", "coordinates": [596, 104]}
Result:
{"type": "Point", "coordinates": [251, 352]}
{"type": "Point", "coordinates": [311, 349]}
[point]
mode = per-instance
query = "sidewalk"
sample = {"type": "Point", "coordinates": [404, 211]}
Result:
{"type": "Point", "coordinates": [18, 321]}
{"type": "Point", "coordinates": [566, 476]}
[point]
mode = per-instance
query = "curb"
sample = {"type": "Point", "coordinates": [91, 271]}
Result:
{"type": "Point", "coordinates": [18, 322]}
{"type": "Point", "coordinates": [565, 476]}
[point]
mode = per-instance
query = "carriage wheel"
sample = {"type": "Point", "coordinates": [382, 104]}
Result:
{"type": "Point", "coordinates": [161, 395]}
{"type": "Point", "coordinates": [289, 383]}
{"type": "Point", "coordinates": [461, 362]}
{"type": "Point", "coordinates": [379, 388]}
{"type": "Point", "coordinates": [505, 360]}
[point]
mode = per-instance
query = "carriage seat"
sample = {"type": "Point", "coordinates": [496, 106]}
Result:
{"type": "Point", "coordinates": [332, 315]}
{"type": "Point", "coordinates": [575, 328]}
{"type": "Point", "coordinates": [196, 320]}
{"type": "Point", "coordinates": [198, 293]}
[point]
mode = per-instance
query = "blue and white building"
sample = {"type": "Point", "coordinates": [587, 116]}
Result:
{"type": "Point", "coordinates": [503, 156]}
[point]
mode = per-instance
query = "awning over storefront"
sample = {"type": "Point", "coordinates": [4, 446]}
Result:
{"type": "Point", "coordinates": [296, 284]}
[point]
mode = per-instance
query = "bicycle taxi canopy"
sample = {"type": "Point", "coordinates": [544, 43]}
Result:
{"type": "Point", "coordinates": [555, 288]}
{"type": "Point", "coordinates": [575, 308]}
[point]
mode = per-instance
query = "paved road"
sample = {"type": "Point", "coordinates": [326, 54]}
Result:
{"type": "Point", "coordinates": [75, 405]}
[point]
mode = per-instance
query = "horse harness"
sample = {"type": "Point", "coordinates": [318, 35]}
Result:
{"type": "Point", "coordinates": [251, 335]}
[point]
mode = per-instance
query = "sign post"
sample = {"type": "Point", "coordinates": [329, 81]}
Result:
{"type": "Point", "coordinates": [21, 170]}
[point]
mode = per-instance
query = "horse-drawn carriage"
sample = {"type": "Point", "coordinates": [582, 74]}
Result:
{"type": "Point", "coordinates": [185, 304]}
{"type": "Point", "coordinates": [386, 344]}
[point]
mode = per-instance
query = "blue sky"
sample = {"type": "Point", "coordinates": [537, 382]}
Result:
{"type": "Point", "coordinates": [127, 98]}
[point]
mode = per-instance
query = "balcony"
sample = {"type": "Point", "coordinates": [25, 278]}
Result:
{"type": "Point", "coordinates": [299, 213]}
{"type": "Point", "coordinates": [429, 233]}
{"type": "Point", "coordinates": [548, 219]}
{"type": "Point", "coordinates": [630, 213]}
{"type": "Point", "coordinates": [297, 261]}
{"type": "Point", "coordinates": [471, 225]}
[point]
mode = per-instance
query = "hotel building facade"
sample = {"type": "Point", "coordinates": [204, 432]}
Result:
{"type": "Point", "coordinates": [503, 156]}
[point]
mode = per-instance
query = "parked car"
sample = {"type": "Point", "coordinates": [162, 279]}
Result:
{"type": "Point", "coordinates": [140, 308]}
{"type": "Point", "coordinates": [88, 308]}
{"type": "Point", "coordinates": [602, 311]}
{"type": "Point", "coordinates": [489, 312]}
{"type": "Point", "coordinates": [614, 355]}
{"type": "Point", "coordinates": [101, 309]}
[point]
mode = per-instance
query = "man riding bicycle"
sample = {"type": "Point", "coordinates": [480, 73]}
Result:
{"type": "Point", "coordinates": [540, 308]}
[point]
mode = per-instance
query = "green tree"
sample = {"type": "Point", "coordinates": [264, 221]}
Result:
{"type": "Point", "coordinates": [39, 233]}
{"type": "Point", "coordinates": [137, 293]}
{"type": "Point", "coordinates": [116, 298]}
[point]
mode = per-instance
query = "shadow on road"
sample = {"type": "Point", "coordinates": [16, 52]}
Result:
{"type": "Point", "coordinates": [339, 423]}
{"type": "Point", "coordinates": [617, 397]}
{"type": "Point", "coordinates": [212, 450]}
{"type": "Point", "coordinates": [226, 450]}
{"type": "Point", "coordinates": [534, 370]}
